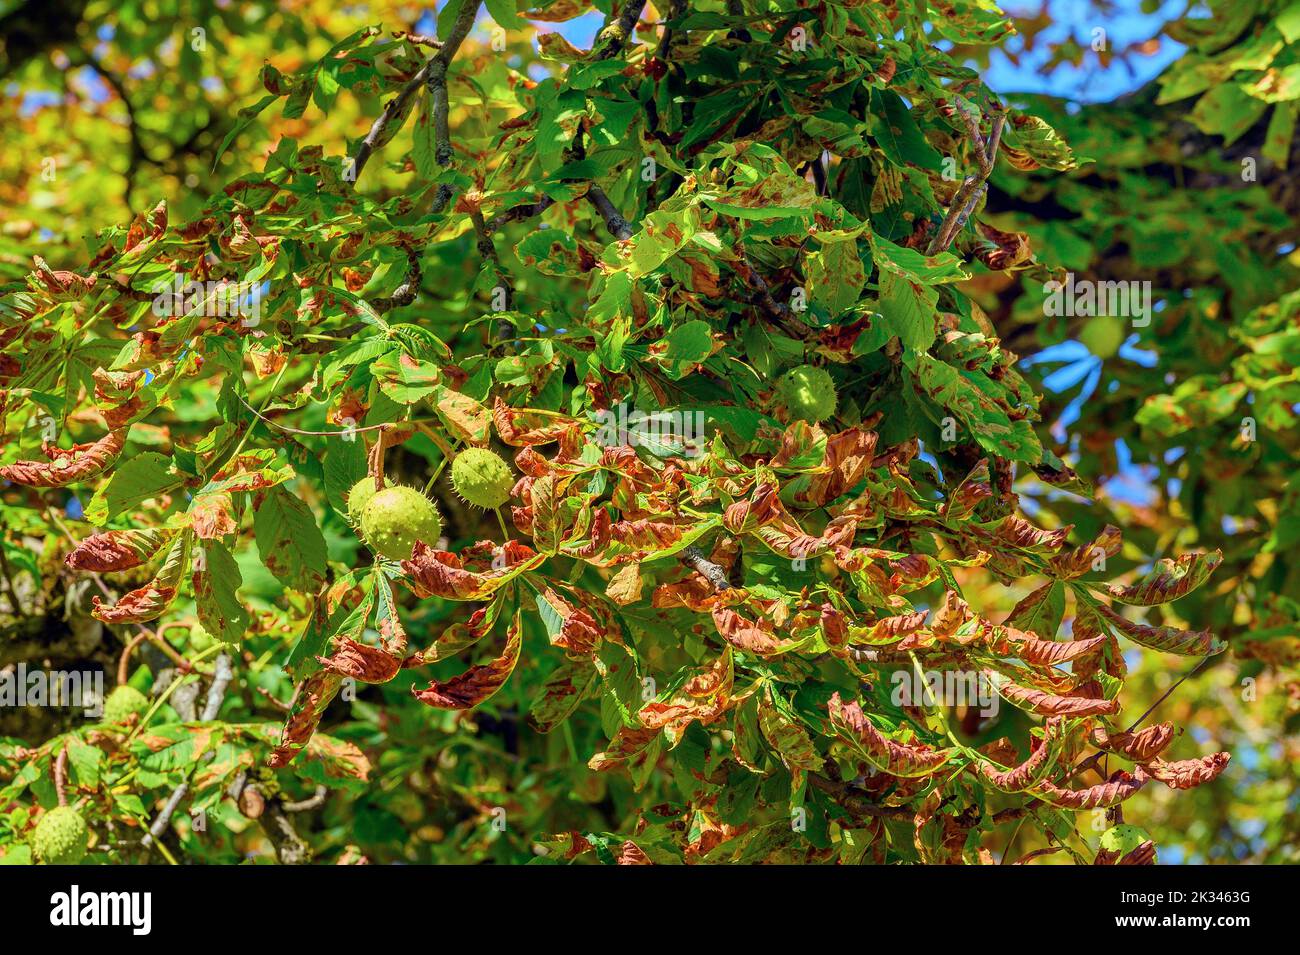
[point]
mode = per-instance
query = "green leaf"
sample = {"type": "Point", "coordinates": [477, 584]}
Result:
{"type": "Point", "coordinates": [291, 545]}
{"type": "Point", "coordinates": [146, 476]}
{"type": "Point", "coordinates": [505, 13]}
{"type": "Point", "coordinates": [216, 579]}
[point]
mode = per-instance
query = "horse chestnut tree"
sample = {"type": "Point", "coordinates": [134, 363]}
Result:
{"type": "Point", "coordinates": [357, 533]}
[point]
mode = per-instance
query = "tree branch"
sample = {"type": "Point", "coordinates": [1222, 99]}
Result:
{"type": "Point", "coordinates": [693, 557]}
{"type": "Point", "coordinates": [973, 188]}
{"type": "Point", "coordinates": [390, 121]}
{"type": "Point", "coordinates": [405, 293]}
{"type": "Point", "coordinates": [440, 105]}
{"type": "Point", "coordinates": [221, 678]}
{"type": "Point", "coordinates": [519, 213]}
{"type": "Point", "coordinates": [618, 31]}
{"type": "Point", "coordinates": [618, 227]}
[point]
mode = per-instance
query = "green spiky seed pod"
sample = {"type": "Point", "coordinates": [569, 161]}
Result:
{"type": "Point", "coordinates": [807, 393]}
{"type": "Point", "coordinates": [481, 478]}
{"type": "Point", "coordinates": [60, 837]}
{"type": "Point", "coordinates": [395, 518]}
{"type": "Point", "coordinates": [123, 703]}
{"type": "Point", "coordinates": [358, 497]}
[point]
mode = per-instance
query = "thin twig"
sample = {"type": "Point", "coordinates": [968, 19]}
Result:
{"type": "Point", "coordinates": [519, 213]}
{"type": "Point", "coordinates": [221, 678]}
{"type": "Point", "coordinates": [973, 188]}
{"type": "Point", "coordinates": [761, 296]}
{"type": "Point", "coordinates": [124, 661]}
{"type": "Point", "coordinates": [676, 10]}
{"type": "Point", "coordinates": [405, 293]}
{"type": "Point", "coordinates": [138, 153]}
{"type": "Point", "coordinates": [855, 803]}
{"type": "Point", "coordinates": [315, 801]}
{"type": "Point", "coordinates": [487, 248]}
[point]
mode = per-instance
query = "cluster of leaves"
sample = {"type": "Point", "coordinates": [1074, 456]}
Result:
{"type": "Point", "coordinates": [1202, 402]}
{"type": "Point", "coordinates": [679, 647]}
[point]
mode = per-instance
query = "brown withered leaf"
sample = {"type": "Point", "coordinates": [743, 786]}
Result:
{"type": "Point", "coordinates": [1141, 746]}
{"type": "Point", "coordinates": [152, 600]}
{"type": "Point", "coordinates": [308, 707]}
{"type": "Point", "coordinates": [647, 534]}
{"type": "Point", "coordinates": [1049, 704]}
{"type": "Point", "coordinates": [557, 11]}
{"type": "Point", "coordinates": [1015, 532]}
{"type": "Point", "coordinates": [696, 593]}
{"type": "Point", "coordinates": [139, 606]}
{"type": "Point", "coordinates": [894, 758]}
{"type": "Point", "coordinates": [629, 746]}
{"type": "Point", "coordinates": [1144, 854]}
{"type": "Point", "coordinates": [1001, 250]}
{"type": "Point", "coordinates": [1168, 580]}
{"type": "Point", "coordinates": [583, 622]}
{"type": "Point", "coordinates": [361, 662]}
{"type": "Point", "coordinates": [1188, 773]}
{"type": "Point", "coordinates": [212, 515]}
{"type": "Point", "coordinates": [752, 637]}
{"type": "Point", "coordinates": [848, 457]}
{"type": "Point", "coordinates": [888, 630]}
{"type": "Point", "coordinates": [116, 550]}
{"type": "Point", "coordinates": [1166, 639]}
{"type": "Point", "coordinates": [521, 427]}
{"type": "Point", "coordinates": [762, 507]}
{"type": "Point", "coordinates": [1079, 561]}
{"type": "Point", "coordinates": [713, 679]}
{"type": "Point", "coordinates": [465, 418]}
{"type": "Point", "coordinates": [632, 854]}
{"type": "Point", "coordinates": [67, 466]}
{"type": "Point", "coordinates": [439, 573]}
{"type": "Point", "coordinates": [478, 683]}
{"type": "Point", "coordinates": [974, 487]}
{"type": "Point", "coordinates": [952, 617]}
{"type": "Point", "coordinates": [1049, 652]}
{"type": "Point", "coordinates": [1026, 774]}
{"type": "Point", "coordinates": [625, 587]}
{"type": "Point", "coordinates": [1114, 791]}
